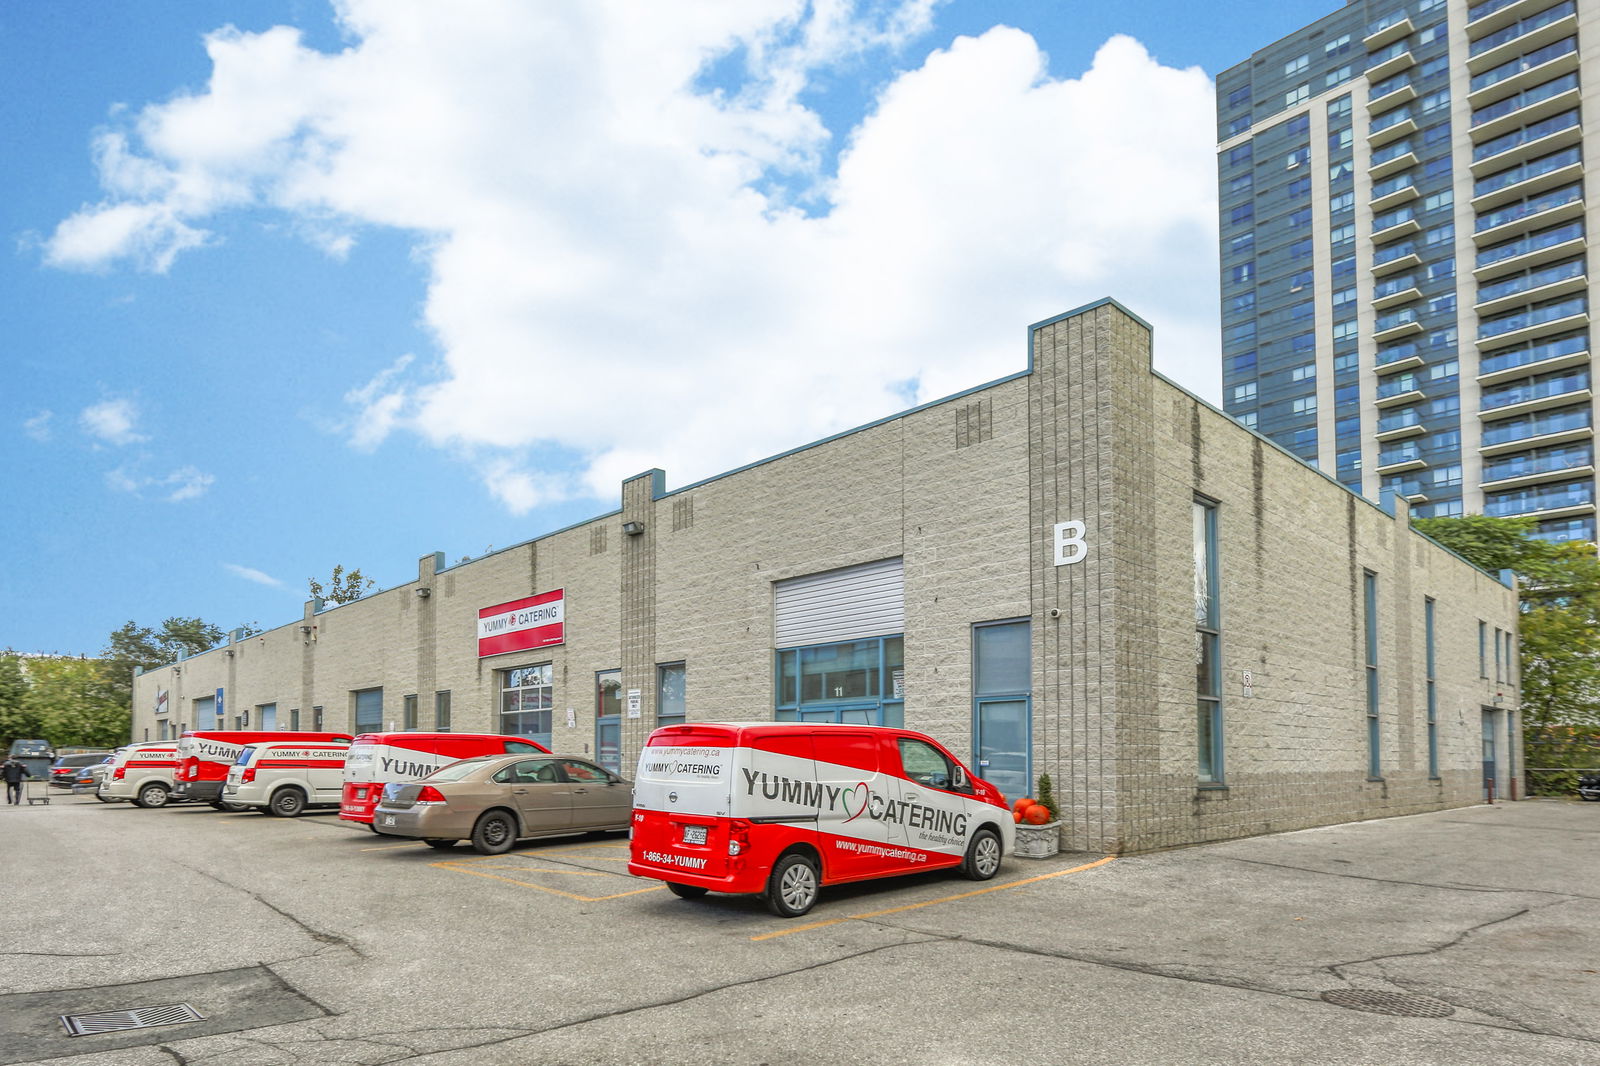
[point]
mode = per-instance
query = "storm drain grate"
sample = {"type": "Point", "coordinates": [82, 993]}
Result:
{"type": "Point", "coordinates": [1400, 1004]}
{"type": "Point", "coordinates": [117, 1021]}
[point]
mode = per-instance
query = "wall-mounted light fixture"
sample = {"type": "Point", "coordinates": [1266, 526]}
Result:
{"type": "Point", "coordinates": [229, 653]}
{"type": "Point", "coordinates": [424, 592]}
{"type": "Point", "coordinates": [633, 529]}
{"type": "Point", "coordinates": [306, 630]}
{"type": "Point", "coordinates": [177, 670]}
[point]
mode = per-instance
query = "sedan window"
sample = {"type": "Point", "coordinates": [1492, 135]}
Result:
{"type": "Point", "coordinates": [587, 773]}
{"type": "Point", "coordinates": [528, 772]}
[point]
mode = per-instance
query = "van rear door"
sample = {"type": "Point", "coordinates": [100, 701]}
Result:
{"type": "Point", "coordinates": [682, 797]}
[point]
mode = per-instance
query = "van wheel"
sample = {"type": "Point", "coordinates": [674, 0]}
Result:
{"type": "Point", "coordinates": [439, 845]}
{"type": "Point", "coordinates": [686, 891]}
{"type": "Point", "coordinates": [983, 856]}
{"type": "Point", "coordinates": [288, 802]}
{"type": "Point", "coordinates": [226, 807]}
{"type": "Point", "coordinates": [494, 834]}
{"type": "Point", "coordinates": [792, 888]}
{"type": "Point", "coordinates": [151, 796]}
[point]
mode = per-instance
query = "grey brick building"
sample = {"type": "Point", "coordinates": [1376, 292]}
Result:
{"type": "Point", "coordinates": [1405, 288]}
{"type": "Point", "coordinates": [1080, 569]}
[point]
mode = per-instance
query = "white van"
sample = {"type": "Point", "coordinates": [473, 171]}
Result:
{"type": "Point", "coordinates": [784, 809]}
{"type": "Point", "coordinates": [143, 774]}
{"type": "Point", "coordinates": [285, 777]}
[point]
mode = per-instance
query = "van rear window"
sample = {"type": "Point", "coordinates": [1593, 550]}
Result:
{"type": "Point", "coordinates": [244, 756]}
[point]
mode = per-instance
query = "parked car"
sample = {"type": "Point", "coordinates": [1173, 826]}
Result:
{"type": "Point", "coordinates": [64, 771]}
{"type": "Point", "coordinates": [91, 778]}
{"type": "Point", "coordinates": [1589, 787]}
{"type": "Point", "coordinates": [496, 800]}
{"type": "Point", "coordinates": [379, 759]}
{"type": "Point", "coordinates": [783, 809]}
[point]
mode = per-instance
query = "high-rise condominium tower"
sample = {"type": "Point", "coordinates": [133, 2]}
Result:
{"type": "Point", "coordinates": [1405, 282]}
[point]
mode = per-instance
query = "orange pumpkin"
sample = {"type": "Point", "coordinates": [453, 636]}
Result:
{"type": "Point", "coordinates": [1016, 816]}
{"type": "Point", "coordinates": [1023, 804]}
{"type": "Point", "coordinates": [1038, 814]}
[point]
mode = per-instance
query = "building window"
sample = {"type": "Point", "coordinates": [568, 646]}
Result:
{"type": "Point", "coordinates": [1304, 372]}
{"type": "Point", "coordinates": [1297, 158]}
{"type": "Point", "coordinates": [608, 719]}
{"type": "Point", "coordinates": [408, 715]}
{"type": "Point", "coordinates": [1298, 95]}
{"type": "Point", "coordinates": [1248, 420]}
{"type": "Point", "coordinates": [441, 711]}
{"type": "Point", "coordinates": [1304, 405]}
{"type": "Point", "coordinates": [1207, 645]}
{"type": "Point", "coordinates": [1499, 674]}
{"type": "Point", "coordinates": [670, 706]}
{"type": "Point", "coordinates": [316, 719]}
{"type": "Point", "coordinates": [527, 694]}
{"type": "Point", "coordinates": [369, 710]}
{"type": "Point", "coordinates": [856, 681]}
{"type": "Point", "coordinates": [294, 719]}
{"type": "Point", "coordinates": [1295, 65]}
{"type": "Point", "coordinates": [1369, 586]}
{"type": "Point", "coordinates": [1433, 695]}
{"type": "Point", "coordinates": [1244, 393]}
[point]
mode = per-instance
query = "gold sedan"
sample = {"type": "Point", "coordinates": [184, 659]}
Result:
{"type": "Point", "coordinates": [496, 800]}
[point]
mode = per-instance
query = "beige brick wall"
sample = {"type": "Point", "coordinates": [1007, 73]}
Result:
{"type": "Point", "coordinates": [966, 491]}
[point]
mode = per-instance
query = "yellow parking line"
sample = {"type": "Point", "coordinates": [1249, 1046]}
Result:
{"type": "Point", "coordinates": [462, 868]}
{"type": "Point", "coordinates": [931, 902]}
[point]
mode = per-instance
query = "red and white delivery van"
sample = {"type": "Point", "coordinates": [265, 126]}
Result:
{"type": "Point", "coordinates": [783, 808]}
{"type": "Point", "coordinates": [141, 773]}
{"type": "Point", "coordinates": [285, 777]}
{"type": "Point", "coordinates": [204, 756]}
{"type": "Point", "coordinates": [375, 759]}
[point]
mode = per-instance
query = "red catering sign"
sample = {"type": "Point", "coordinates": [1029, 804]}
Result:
{"type": "Point", "coordinates": [535, 622]}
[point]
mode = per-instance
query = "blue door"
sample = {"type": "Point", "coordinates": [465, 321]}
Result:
{"type": "Point", "coordinates": [1488, 756]}
{"type": "Point", "coordinates": [1002, 746]}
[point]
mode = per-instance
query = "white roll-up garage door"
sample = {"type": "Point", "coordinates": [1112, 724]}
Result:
{"type": "Point", "coordinates": [849, 604]}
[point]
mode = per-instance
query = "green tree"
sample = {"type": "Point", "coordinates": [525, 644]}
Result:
{"type": "Point", "coordinates": [75, 705]}
{"type": "Point", "coordinates": [133, 645]}
{"type": "Point", "coordinates": [16, 717]}
{"type": "Point", "coordinates": [1559, 632]}
{"type": "Point", "coordinates": [342, 587]}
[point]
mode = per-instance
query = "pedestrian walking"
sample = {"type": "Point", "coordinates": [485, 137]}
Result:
{"type": "Point", "coordinates": [13, 772]}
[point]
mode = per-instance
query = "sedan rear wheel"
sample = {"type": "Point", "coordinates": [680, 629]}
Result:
{"type": "Point", "coordinates": [494, 834]}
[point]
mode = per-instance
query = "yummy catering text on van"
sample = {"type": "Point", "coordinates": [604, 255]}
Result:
{"type": "Point", "coordinates": [204, 756]}
{"type": "Point", "coordinates": [375, 759]}
{"type": "Point", "coordinates": [284, 777]}
{"type": "Point", "coordinates": [141, 773]}
{"type": "Point", "coordinates": [783, 808]}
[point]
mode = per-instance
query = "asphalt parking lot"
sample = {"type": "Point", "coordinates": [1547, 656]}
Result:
{"type": "Point", "coordinates": [309, 941]}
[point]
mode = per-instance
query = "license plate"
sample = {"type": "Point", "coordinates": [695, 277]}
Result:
{"type": "Point", "coordinates": [694, 834]}
{"type": "Point", "coordinates": [361, 793]}
{"type": "Point", "coordinates": [388, 819]}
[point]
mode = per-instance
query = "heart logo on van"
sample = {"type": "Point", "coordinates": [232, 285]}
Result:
{"type": "Point", "coordinates": [850, 795]}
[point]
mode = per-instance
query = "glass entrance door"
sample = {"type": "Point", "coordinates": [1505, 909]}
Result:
{"type": "Point", "coordinates": [1489, 761]}
{"type": "Point", "coordinates": [1002, 746]}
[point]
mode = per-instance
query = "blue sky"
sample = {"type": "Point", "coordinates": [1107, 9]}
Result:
{"type": "Point", "coordinates": [293, 284]}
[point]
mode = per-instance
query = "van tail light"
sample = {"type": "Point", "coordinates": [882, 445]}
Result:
{"type": "Point", "coordinates": [248, 776]}
{"type": "Point", "coordinates": [119, 773]}
{"type": "Point", "coordinates": [429, 797]}
{"type": "Point", "coordinates": [738, 836]}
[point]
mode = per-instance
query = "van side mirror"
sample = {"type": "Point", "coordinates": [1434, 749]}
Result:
{"type": "Point", "coordinates": [960, 778]}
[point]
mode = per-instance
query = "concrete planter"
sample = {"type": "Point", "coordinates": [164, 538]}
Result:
{"type": "Point", "coordinates": [1038, 841]}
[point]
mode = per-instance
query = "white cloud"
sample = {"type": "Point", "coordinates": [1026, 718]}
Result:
{"type": "Point", "coordinates": [184, 483]}
{"type": "Point", "coordinates": [38, 427]}
{"type": "Point", "coordinates": [252, 574]}
{"type": "Point", "coordinates": [112, 421]}
{"type": "Point", "coordinates": [616, 268]}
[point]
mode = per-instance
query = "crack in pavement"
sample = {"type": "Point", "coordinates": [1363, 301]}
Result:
{"type": "Point", "coordinates": [1459, 938]}
{"type": "Point", "coordinates": [600, 1016]}
{"type": "Point", "coordinates": [1417, 884]}
{"type": "Point", "coordinates": [1239, 985]}
{"type": "Point", "coordinates": [61, 954]}
{"type": "Point", "coordinates": [318, 935]}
